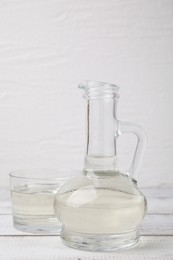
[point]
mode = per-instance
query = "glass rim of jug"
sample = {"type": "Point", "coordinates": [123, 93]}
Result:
{"type": "Point", "coordinates": [99, 90]}
{"type": "Point", "coordinates": [97, 84]}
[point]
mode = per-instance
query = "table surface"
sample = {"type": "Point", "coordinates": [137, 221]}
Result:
{"type": "Point", "coordinates": [156, 234]}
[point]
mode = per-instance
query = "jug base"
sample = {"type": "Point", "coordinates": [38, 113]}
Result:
{"type": "Point", "coordinates": [99, 242]}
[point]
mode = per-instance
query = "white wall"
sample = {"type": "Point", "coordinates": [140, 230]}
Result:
{"type": "Point", "coordinates": [47, 47]}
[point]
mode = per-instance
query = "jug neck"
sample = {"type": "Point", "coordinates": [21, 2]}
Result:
{"type": "Point", "coordinates": [101, 126]}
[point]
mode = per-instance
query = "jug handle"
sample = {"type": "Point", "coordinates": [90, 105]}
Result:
{"type": "Point", "coordinates": [124, 127]}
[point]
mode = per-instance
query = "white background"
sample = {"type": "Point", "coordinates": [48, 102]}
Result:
{"type": "Point", "coordinates": [48, 46]}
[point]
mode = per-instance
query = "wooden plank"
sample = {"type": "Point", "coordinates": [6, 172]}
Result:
{"type": "Point", "coordinates": [155, 206]}
{"type": "Point", "coordinates": [7, 229]}
{"type": "Point", "coordinates": [26, 247]}
{"type": "Point", "coordinates": [157, 225]}
{"type": "Point", "coordinates": [151, 225]}
{"type": "Point", "coordinates": [160, 200]}
{"type": "Point", "coordinates": [5, 200]}
{"type": "Point", "coordinates": [5, 207]}
{"type": "Point", "coordinates": [162, 191]}
{"type": "Point", "coordinates": [51, 248]}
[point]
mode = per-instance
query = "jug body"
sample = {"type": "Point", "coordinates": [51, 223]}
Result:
{"type": "Point", "coordinates": [100, 214]}
{"type": "Point", "coordinates": [102, 209]}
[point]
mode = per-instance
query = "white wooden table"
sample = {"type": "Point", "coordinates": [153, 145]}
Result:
{"type": "Point", "coordinates": [156, 235]}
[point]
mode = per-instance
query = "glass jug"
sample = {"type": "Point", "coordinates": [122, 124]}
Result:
{"type": "Point", "coordinates": [102, 209]}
